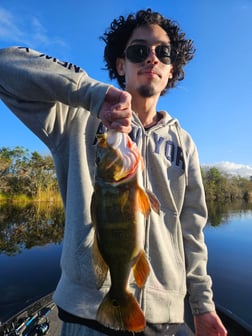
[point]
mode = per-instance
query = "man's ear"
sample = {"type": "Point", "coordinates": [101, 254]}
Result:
{"type": "Point", "coordinates": [171, 72]}
{"type": "Point", "coordinates": [120, 66]}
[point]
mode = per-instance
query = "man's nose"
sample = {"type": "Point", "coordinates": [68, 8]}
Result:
{"type": "Point", "coordinates": [152, 57]}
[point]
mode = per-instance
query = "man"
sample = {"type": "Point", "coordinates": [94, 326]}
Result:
{"type": "Point", "coordinates": [63, 106]}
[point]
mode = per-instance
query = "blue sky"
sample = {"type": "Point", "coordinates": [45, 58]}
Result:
{"type": "Point", "coordinates": [213, 103]}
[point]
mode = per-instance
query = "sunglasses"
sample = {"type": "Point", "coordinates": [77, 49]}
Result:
{"type": "Point", "coordinates": [138, 53]}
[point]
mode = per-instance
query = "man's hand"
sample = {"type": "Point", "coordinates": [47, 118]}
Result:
{"type": "Point", "coordinates": [209, 324]}
{"type": "Point", "coordinates": [116, 111]}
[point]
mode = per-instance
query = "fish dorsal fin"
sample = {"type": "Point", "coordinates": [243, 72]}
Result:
{"type": "Point", "coordinates": [99, 265]}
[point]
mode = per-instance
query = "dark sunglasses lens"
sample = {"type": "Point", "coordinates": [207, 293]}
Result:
{"type": "Point", "coordinates": [164, 54]}
{"type": "Point", "coordinates": [137, 53]}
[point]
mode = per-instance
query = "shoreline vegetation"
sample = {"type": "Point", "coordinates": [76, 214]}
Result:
{"type": "Point", "coordinates": [32, 213]}
{"type": "Point", "coordinates": [27, 177]}
{"type": "Point", "coordinates": [30, 177]}
{"type": "Point", "coordinates": [45, 196]}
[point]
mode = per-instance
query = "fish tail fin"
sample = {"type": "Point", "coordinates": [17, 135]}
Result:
{"type": "Point", "coordinates": [141, 269]}
{"type": "Point", "coordinates": [123, 314]}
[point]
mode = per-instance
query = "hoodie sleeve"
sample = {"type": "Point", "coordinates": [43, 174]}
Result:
{"type": "Point", "coordinates": [47, 94]}
{"type": "Point", "coordinates": [28, 75]}
{"type": "Point", "coordinates": [193, 220]}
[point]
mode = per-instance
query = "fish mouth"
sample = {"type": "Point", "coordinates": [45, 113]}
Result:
{"type": "Point", "coordinates": [125, 176]}
{"type": "Point", "coordinates": [129, 168]}
{"type": "Point", "coordinates": [127, 153]}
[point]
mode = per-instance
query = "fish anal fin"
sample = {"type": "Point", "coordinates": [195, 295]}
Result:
{"type": "Point", "coordinates": [122, 314]}
{"type": "Point", "coordinates": [141, 269]}
{"type": "Point", "coordinates": [99, 265]}
{"type": "Point", "coordinates": [155, 204]}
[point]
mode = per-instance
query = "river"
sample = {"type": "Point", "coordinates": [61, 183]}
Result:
{"type": "Point", "coordinates": [31, 241]}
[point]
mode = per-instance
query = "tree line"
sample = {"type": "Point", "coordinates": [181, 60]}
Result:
{"type": "Point", "coordinates": [27, 174]}
{"type": "Point", "coordinates": [221, 187]}
{"type": "Point", "coordinates": [32, 175]}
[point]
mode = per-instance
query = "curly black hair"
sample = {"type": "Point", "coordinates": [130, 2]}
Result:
{"type": "Point", "coordinates": [120, 31]}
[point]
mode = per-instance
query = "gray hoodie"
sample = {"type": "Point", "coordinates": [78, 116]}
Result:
{"type": "Point", "coordinates": [60, 104]}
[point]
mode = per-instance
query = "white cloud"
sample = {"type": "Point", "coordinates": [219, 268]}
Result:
{"type": "Point", "coordinates": [27, 30]}
{"type": "Point", "coordinates": [8, 28]}
{"type": "Point", "coordinates": [231, 168]}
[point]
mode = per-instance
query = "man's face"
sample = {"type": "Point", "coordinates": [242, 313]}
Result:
{"type": "Point", "coordinates": [149, 77]}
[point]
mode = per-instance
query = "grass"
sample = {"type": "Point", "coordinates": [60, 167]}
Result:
{"type": "Point", "coordinates": [43, 196]}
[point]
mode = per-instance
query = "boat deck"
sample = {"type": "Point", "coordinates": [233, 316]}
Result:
{"type": "Point", "coordinates": [55, 323]}
{"type": "Point", "coordinates": [43, 313]}
{"type": "Point", "coordinates": [55, 326]}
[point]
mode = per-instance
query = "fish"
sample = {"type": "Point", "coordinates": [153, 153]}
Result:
{"type": "Point", "coordinates": [118, 208]}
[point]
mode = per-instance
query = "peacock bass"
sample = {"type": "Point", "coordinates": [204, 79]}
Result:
{"type": "Point", "coordinates": [118, 208]}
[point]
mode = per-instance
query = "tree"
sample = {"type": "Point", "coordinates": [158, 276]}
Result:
{"type": "Point", "coordinates": [215, 184]}
{"type": "Point", "coordinates": [221, 187]}
{"type": "Point", "coordinates": [22, 172]}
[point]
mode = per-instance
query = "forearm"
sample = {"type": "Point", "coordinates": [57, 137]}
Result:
{"type": "Point", "coordinates": [28, 75]}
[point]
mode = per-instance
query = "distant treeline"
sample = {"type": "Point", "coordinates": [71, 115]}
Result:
{"type": "Point", "coordinates": [32, 176]}
{"type": "Point", "coordinates": [221, 187]}
{"type": "Point", "coordinates": [26, 175]}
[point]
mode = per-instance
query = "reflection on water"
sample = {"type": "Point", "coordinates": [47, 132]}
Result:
{"type": "Point", "coordinates": [25, 226]}
{"type": "Point", "coordinates": [220, 212]}
{"type": "Point", "coordinates": [30, 248]}
{"type": "Point", "coordinates": [229, 240]}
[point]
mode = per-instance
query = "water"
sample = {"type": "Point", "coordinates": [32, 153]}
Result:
{"type": "Point", "coordinates": [230, 263]}
{"type": "Point", "coordinates": [27, 276]}
{"type": "Point", "coordinates": [30, 247]}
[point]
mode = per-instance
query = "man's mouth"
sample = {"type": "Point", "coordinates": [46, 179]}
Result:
{"type": "Point", "coordinates": [149, 72]}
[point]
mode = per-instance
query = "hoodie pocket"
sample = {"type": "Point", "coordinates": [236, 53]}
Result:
{"type": "Point", "coordinates": [176, 236]}
{"type": "Point", "coordinates": [166, 252]}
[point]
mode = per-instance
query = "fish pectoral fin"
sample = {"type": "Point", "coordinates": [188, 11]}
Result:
{"type": "Point", "coordinates": [143, 202]}
{"type": "Point", "coordinates": [99, 265]}
{"type": "Point", "coordinates": [123, 313]}
{"type": "Point", "coordinates": [141, 269]}
{"type": "Point", "coordinates": [155, 204]}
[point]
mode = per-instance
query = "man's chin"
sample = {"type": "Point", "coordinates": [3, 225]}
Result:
{"type": "Point", "coordinates": [146, 91]}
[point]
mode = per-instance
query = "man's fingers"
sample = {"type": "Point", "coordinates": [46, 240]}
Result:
{"type": "Point", "coordinates": [115, 96]}
{"type": "Point", "coordinates": [124, 100]}
{"type": "Point", "coordinates": [117, 124]}
{"type": "Point", "coordinates": [115, 114]}
{"type": "Point", "coordinates": [119, 128]}
{"type": "Point", "coordinates": [122, 125]}
{"type": "Point", "coordinates": [116, 111]}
